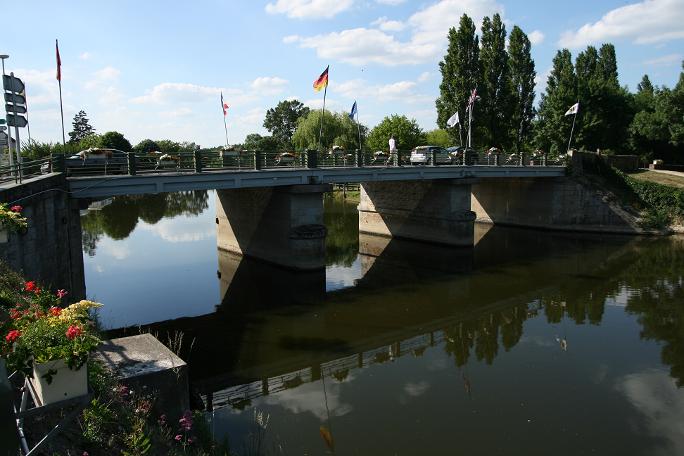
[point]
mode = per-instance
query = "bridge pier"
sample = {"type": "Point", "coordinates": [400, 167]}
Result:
{"type": "Point", "coordinates": [281, 225]}
{"type": "Point", "coordinates": [435, 211]}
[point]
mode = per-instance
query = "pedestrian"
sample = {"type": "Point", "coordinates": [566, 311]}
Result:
{"type": "Point", "coordinates": [393, 150]}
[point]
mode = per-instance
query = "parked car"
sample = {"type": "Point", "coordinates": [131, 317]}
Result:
{"type": "Point", "coordinates": [379, 158]}
{"type": "Point", "coordinates": [456, 153]}
{"type": "Point", "coordinates": [422, 155]}
{"type": "Point", "coordinates": [97, 161]}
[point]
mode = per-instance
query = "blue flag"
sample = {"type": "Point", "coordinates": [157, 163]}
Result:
{"type": "Point", "coordinates": [353, 111]}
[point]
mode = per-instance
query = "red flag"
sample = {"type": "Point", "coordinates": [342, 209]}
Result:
{"type": "Point", "coordinates": [224, 105]}
{"type": "Point", "coordinates": [59, 62]}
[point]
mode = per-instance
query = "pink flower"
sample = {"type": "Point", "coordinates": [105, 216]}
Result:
{"type": "Point", "coordinates": [16, 208]}
{"type": "Point", "coordinates": [178, 437]}
{"type": "Point", "coordinates": [73, 332]}
{"type": "Point", "coordinates": [85, 453]}
{"type": "Point", "coordinates": [62, 293]}
{"type": "Point", "coordinates": [190, 440]}
{"type": "Point", "coordinates": [13, 335]}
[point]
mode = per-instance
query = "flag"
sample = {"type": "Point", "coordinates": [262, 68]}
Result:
{"type": "Point", "coordinates": [353, 111]}
{"type": "Point", "coordinates": [573, 109]}
{"type": "Point", "coordinates": [59, 62]}
{"type": "Point", "coordinates": [453, 120]}
{"type": "Point", "coordinates": [322, 81]}
{"type": "Point", "coordinates": [473, 97]}
{"type": "Point", "coordinates": [224, 106]}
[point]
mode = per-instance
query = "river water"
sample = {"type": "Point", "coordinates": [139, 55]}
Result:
{"type": "Point", "coordinates": [530, 343]}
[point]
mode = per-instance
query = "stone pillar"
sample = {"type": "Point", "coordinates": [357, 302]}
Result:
{"type": "Point", "coordinates": [433, 211]}
{"type": "Point", "coordinates": [282, 225]}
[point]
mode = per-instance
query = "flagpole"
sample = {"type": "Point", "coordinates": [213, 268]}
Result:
{"type": "Point", "coordinates": [460, 134]}
{"type": "Point", "coordinates": [320, 131]}
{"type": "Point", "coordinates": [573, 127]}
{"type": "Point", "coordinates": [28, 125]}
{"type": "Point", "coordinates": [470, 122]}
{"type": "Point", "coordinates": [358, 126]}
{"type": "Point", "coordinates": [61, 108]}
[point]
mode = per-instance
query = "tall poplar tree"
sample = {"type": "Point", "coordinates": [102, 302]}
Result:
{"type": "Point", "coordinates": [522, 86]}
{"type": "Point", "coordinates": [553, 128]}
{"type": "Point", "coordinates": [460, 74]}
{"type": "Point", "coordinates": [496, 105]}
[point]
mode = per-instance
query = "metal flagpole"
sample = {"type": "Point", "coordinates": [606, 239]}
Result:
{"type": "Point", "coordinates": [320, 131]}
{"type": "Point", "coordinates": [358, 125]}
{"type": "Point", "coordinates": [225, 127]}
{"type": "Point", "coordinates": [470, 123]}
{"type": "Point", "coordinates": [28, 125]}
{"type": "Point", "coordinates": [573, 127]}
{"type": "Point", "coordinates": [460, 134]}
{"type": "Point", "coordinates": [61, 108]}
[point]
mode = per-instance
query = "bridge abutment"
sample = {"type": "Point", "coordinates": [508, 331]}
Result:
{"type": "Point", "coordinates": [435, 211]}
{"type": "Point", "coordinates": [281, 225]}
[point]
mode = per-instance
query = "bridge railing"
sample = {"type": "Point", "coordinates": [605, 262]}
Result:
{"type": "Point", "coordinates": [200, 161]}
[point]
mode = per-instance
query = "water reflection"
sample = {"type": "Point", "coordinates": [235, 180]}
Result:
{"type": "Point", "coordinates": [550, 342]}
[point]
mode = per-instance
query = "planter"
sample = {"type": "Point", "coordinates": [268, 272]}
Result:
{"type": "Point", "coordinates": [66, 383]}
{"type": "Point", "coordinates": [3, 235]}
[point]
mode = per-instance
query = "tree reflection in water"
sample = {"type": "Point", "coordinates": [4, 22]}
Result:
{"type": "Point", "coordinates": [118, 219]}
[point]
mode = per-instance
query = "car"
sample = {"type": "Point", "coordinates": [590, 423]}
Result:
{"type": "Point", "coordinates": [457, 155]}
{"type": "Point", "coordinates": [97, 161]}
{"type": "Point", "coordinates": [422, 155]}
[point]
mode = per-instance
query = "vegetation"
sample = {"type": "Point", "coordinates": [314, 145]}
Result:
{"type": "Point", "coordinates": [11, 218]}
{"type": "Point", "coordinates": [406, 132]}
{"type": "Point", "coordinates": [522, 81]}
{"type": "Point", "coordinates": [338, 130]}
{"type": "Point", "coordinates": [115, 140]}
{"type": "Point", "coordinates": [659, 178]}
{"type": "Point", "coordinates": [146, 145]}
{"type": "Point", "coordinates": [438, 137]}
{"type": "Point", "coordinates": [282, 120]}
{"type": "Point", "coordinates": [81, 128]}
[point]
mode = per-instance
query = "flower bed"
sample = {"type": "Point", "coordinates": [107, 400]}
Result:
{"type": "Point", "coordinates": [11, 220]}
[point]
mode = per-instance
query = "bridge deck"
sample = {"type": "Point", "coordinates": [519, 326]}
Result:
{"type": "Point", "coordinates": [105, 186]}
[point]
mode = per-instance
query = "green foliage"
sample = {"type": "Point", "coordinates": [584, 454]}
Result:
{"type": "Point", "coordinates": [406, 132]}
{"type": "Point", "coordinates": [33, 150]}
{"type": "Point", "coordinates": [115, 140]}
{"type": "Point", "coordinates": [97, 417]}
{"type": "Point", "coordinates": [522, 80]}
{"type": "Point", "coordinates": [495, 90]}
{"type": "Point", "coordinates": [460, 74]}
{"type": "Point", "coordinates": [93, 140]}
{"type": "Point", "coordinates": [11, 218]}
{"type": "Point", "coordinates": [255, 141]}
{"type": "Point", "coordinates": [338, 130]}
{"type": "Point", "coordinates": [81, 128]}
{"type": "Point", "coordinates": [282, 120]}
{"type": "Point", "coordinates": [146, 145]}
{"type": "Point", "coordinates": [438, 137]}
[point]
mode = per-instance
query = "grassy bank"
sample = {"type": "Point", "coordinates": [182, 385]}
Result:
{"type": "Point", "coordinates": [671, 180]}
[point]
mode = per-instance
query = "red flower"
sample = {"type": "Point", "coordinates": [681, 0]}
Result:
{"type": "Point", "coordinates": [14, 314]}
{"type": "Point", "coordinates": [73, 332]}
{"type": "Point", "coordinates": [30, 285]}
{"type": "Point", "coordinates": [16, 208]}
{"type": "Point", "coordinates": [37, 290]}
{"type": "Point", "coordinates": [62, 293]}
{"type": "Point", "coordinates": [12, 335]}
{"type": "Point", "coordinates": [55, 311]}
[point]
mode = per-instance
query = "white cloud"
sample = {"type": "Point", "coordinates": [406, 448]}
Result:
{"type": "Point", "coordinates": [646, 22]}
{"type": "Point", "coordinates": [358, 88]}
{"type": "Point", "coordinates": [310, 398]}
{"type": "Point", "coordinates": [269, 85]}
{"type": "Point", "coordinates": [416, 389]}
{"type": "Point", "coordinates": [180, 230]}
{"type": "Point", "coordinates": [536, 37]}
{"type": "Point", "coordinates": [309, 9]}
{"type": "Point", "coordinates": [424, 76]}
{"type": "Point", "coordinates": [168, 92]}
{"type": "Point", "coordinates": [106, 75]}
{"type": "Point", "coordinates": [665, 60]}
{"type": "Point", "coordinates": [391, 2]}
{"type": "Point", "coordinates": [41, 86]}
{"type": "Point", "coordinates": [387, 25]}
{"type": "Point", "coordinates": [291, 39]}
{"type": "Point", "coordinates": [429, 28]}
{"type": "Point", "coordinates": [85, 56]}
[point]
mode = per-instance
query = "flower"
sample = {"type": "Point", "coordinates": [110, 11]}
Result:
{"type": "Point", "coordinates": [13, 335]}
{"type": "Point", "coordinates": [186, 420]}
{"type": "Point", "coordinates": [62, 293]}
{"type": "Point", "coordinates": [191, 439]}
{"type": "Point", "coordinates": [16, 208]}
{"type": "Point", "coordinates": [55, 311]}
{"type": "Point", "coordinates": [162, 419]}
{"type": "Point", "coordinates": [73, 332]}
{"type": "Point", "coordinates": [30, 285]}
{"type": "Point", "coordinates": [14, 314]}
{"type": "Point", "coordinates": [178, 437]}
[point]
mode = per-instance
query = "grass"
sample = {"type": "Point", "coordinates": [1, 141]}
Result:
{"type": "Point", "coordinates": [659, 178]}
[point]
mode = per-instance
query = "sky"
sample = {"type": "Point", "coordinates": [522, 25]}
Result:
{"type": "Point", "coordinates": [156, 69]}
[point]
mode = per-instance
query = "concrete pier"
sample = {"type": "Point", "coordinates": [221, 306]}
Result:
{"type": "Point", "coordinates": [282, 225]}
{"type": "Point", "coordinates": [434, 211]}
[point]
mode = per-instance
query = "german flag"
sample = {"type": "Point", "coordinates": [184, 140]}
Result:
{"type": "Point", "coordinates": [322, 81]}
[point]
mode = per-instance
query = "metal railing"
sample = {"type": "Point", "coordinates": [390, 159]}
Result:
{"type": "Point", "coordinates": [132, 163]}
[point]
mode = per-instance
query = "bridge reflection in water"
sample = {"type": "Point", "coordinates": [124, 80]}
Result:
{"type": "Point", "coordinates": [277, 329]}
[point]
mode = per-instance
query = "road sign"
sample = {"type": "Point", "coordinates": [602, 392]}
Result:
{"type": "Point", "coordinates": [3, 138]}
{"type": "Point", "coordinates": [2, 121]}
{"type": "Point", "coordinates": [16, 121]}
{"type": "Point", "coordinates": [3, 128]}
{"type": "Point", "coordinates": [13, 84]}
{"type": "Point", "coordinates": [14, 98]}
{"type": "Point", "coordinates": [20, 109]}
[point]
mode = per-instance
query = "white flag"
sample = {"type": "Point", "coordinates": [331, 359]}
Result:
{"type": "Point", "coordinates": [573, 109]}
{"type": "Point", "coordinates": [453, 120]}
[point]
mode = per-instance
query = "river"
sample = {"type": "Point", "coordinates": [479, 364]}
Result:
{"type": "Point", "coordinates": [531, 342]}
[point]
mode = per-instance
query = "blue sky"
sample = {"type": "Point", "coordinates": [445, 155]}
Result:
{"type": "Point", "coordinates": [155, 69]}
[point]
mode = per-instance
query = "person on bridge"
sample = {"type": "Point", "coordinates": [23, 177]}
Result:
{"type": "Point", "coordinates": [393, 151]}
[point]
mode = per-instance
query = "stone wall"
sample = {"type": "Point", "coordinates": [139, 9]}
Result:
{"type": "Point", "coordinates": [50, 250]}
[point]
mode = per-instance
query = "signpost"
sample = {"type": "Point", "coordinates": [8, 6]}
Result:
{"type": "Point", "coordinates": [12, 84]}
{"type": "Point", "coordinates": [14, 108]}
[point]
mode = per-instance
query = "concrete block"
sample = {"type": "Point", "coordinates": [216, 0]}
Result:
{"type": "Point", "coordinates": [143, 363]}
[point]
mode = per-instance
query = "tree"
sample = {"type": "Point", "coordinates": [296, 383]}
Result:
{"type": "Point", "coordinates": [552, 128]}
{"type": "Point", "coordinates": [439, 137]}
{"type": "Point", "coordinates": [338, 130]}
{"type": "Point", "coordinates": [460, 73]}
{"type": "Point", "coordinates": [406, 132]}
{"type": "Point", "coordinates": [496, 105]}
{"type": "Point", "coordinates": [281, 121]}
{"type": "Point", "coordinates": [115, 140]}
{"type": "Point", "coordinates": [146, 145]}
{"type": "Point", "coordinates": [167, 146]}
{"type": "Point", "coordinates": [522, 87]}
{"type": "Point", "coordinates": [81, 128]}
